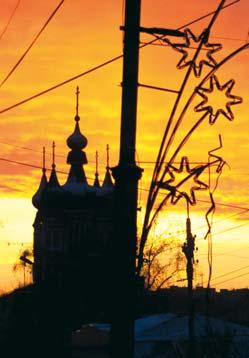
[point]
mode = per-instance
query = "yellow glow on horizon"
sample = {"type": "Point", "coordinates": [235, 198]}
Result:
{"type": "Point", "coordinates": [15, 227]}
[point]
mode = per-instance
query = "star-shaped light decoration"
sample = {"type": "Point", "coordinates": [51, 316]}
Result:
{"type": "Point", "coordinates": [175, 193]}
{"type": "Point", "coordinates": [226, 89]}
{"type": "Point", "coordinates": [193, 41]}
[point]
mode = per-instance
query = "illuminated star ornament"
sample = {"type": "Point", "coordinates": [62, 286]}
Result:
{"type": "Point", "coordinates": [175, 193]}
{"type": "Point", "coordinates": [193, 41]}
{"type": "Point", "coordinates": [205, 106]}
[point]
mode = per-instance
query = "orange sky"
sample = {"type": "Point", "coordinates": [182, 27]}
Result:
{"type": "Point", "coordinates": [82, 35]}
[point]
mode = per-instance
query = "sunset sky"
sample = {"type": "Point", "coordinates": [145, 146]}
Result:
{"type": "Point", "coordinates": [84, 34]}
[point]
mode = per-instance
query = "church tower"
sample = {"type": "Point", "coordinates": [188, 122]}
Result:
{"type": "Point", "coordinates": [74, 221]}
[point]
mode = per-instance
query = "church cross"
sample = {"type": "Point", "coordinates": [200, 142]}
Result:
{"type": "Point", "coordinates": [77, 101]}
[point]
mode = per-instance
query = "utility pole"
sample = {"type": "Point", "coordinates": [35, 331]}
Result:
{"type": "Point", "coordinates": [188, 249]}
{"type": "Point", "coordinates": [126, 175]}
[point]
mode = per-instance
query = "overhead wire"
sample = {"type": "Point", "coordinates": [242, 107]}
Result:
{"type": "Point", "coordinates": [29, 149]}
{"type": "Point", "coordinates": [231, 228]}
{"type": "Point", "coordinates": [226, 218]}
{"type": "Point", "coordinates": [231, 252]}
{"type": "Point", "coordinates": [243, 209]}
{"type": "Point", "coordinates": [227, 38]}
{"type": "Point", "coordinates": [221, 220]}
{"type": "Point", "coordinates": [233, 278]}
{"type": "Point", "coordinates": [102, 64]}
{"type": "Point", "coordinates": [91, 161]}
{"type": "Point", "coordinates": [35, 150]}
{"type": "Point", "coordinates": [61, 84]}
{"type": "Point", "coordinates": [89, 178]}
{"type": "Point", "coordinates": [206, 201]}
{"type": "Point", "coordinates": [10, 19]}
{"type": "Point", "coordinates": [221, 204]}
{"type": "Point", "coordinates": [211, 37]}
{"type": "Point", "coordinates": [39, 167]}
{"type": "Point", "coordinates": [34, 166]}
{"type": "Point", "coordinates": [63, 156]}
{"type": "Point", "coordinates": [237, 256]}
{"type": "Point", "coordinates": [229, 273]}
{"type": "Point", "coordinates": [32, 43]}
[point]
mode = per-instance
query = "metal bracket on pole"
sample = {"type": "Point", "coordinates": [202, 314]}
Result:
{"type": "Point", "coordinates": [159, 31]}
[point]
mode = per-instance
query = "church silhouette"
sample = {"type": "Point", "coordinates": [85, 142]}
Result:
{"type": "Point", "coordinates": [73, 227]}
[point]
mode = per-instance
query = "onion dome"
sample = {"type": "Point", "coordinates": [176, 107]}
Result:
{"type": "Point", "coordinates": [36, 199]}
{"type": "Point", "coordinates": [77, 141]}
{"type": "Point", "coordinates": [76, 182]}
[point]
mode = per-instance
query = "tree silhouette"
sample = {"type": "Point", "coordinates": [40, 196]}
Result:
{"type": "Point", "coordinates": [22, 264]}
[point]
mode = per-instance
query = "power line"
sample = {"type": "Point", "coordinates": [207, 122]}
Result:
{"type": "Point", "coordinates": [233, 278]}
{"type": "Point", "coordinates": [102, 65]}
{"type": "Point", "coordinates": [10, 19]}
{"type": "Point", "coordinates": [61, 84]}
{"type": "Point", "coordinates": [36, 150]}
{"type": "Point", "coordinates": [63, 156]}
{"type": "Point", "coordinates": [30, 149]}
{"type": "Point", "coordinates": [207, 15]}
{"type": "Point", "coordinates": [227, 38]}
{"type": "Point", "coordinates": [229, 273]}
{"type": "Point", "coordinates": [211, 37]}
{"type": "Point", "coordinates": [91, 161]}
{"type": "Point", "coordinates": [20, 163]}
{"type": "Point", "coordinates": [61, 172]}
{"type": "Point", "coordinates": [206, 201]}
{"type": "Point", "coordinates": [229, 252]}
{"type": "Point", "coordinates": [227, 205]}
{"type": "Point", "coordinates": [237, 256]}
{"type": "Point", "coordinates": [230, 229]}
{"type": "Point", "coordinates": [224, 231]}
{"type": "Point", "coordinates": [32, 43]}
{"type": "Point", "coordinates": [226, 218]}
{"type": "Point", "coordinates": [218, 221]}
{"type": "Point", "coordinates": [34, 166]}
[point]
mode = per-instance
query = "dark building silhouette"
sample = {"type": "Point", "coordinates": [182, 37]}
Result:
{"type": "Point", "coordinates": [74, 222]}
